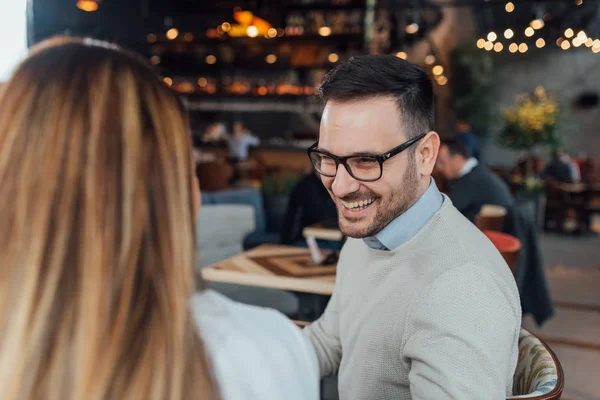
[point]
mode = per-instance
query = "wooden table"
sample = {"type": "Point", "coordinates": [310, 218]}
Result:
{"type": "Point", "coordinates": [319, 232]}
{"type": "Point", "coordinates": [249, 269]}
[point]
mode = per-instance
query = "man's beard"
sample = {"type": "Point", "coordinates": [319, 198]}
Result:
{"type": "Point", "coordinates": [389, 208]}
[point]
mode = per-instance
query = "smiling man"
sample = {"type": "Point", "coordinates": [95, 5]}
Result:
{"type": "Point", "coordinates": [424, 306]}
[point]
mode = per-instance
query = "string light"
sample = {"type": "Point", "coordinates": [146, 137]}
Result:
{"type": "Point", "coordinates": [168, 81]}
{"type": "Point", "coordinates": [225, 26]}
{"type": "Point", "coordinates": [481, 43]}
{"type": "Point", "coordinates": [172, 34]}
{"type": "Point", "coordinates": [559, 41]}
{"type": "Point", "coordinates": [529, 32]}
{"type": "Point", "coordinates": [540, 43]}
{"type": "Point", "coordinates": [498, 47]}
{"type": "Point", "coordinates": [578, 2]}
{"type": "Point", "coordinates": [509, 33]}
{"type": "Point", "coordinates": [577, 42]}
{"type": "Point", "coordinates": [202, 82]}
{"type": "Point", "coordinates": [488, 46]}
{"type": "Point", "coordinates": [492, 36]}
{"type": "Point", "coordinates": [324, 31]}
{"type": "Point", "coordinates": [151, 38]}
{"type": "Point", "coordinates": [272, 32]}
{"type": "Point", "coordinates": [333, 58]}
{"type": "Point", "coordinates": [569, 33]}
{"type": "Point", "coordinates": [523, 47]}
{"type": "Point", "coordinates": [437, 70]}
{"type": "Point", "coordinates": [252, 31]}
{"type": "Point", "coordinates": [430, 58]}
{"type": "Point", "coordinates": [565, 45]}
{"type": "Point", "coordinates": [537, 23]}
{"type": "Point", "coordinates": [589, 42]}
{"type": "Point", "coordinates": [211, 59]}
{"type": "Point", "coordinates": [271, 59]}
{"type": "Point", "coordinates": [513, 48]}
{"type": "Point", "coordinates": [442, 80]}
{"type": "Point", "coordinates": [188, 37]}
{"type": "Point", "coordinates": [155, 60]}
{"type": "Point", "coordinates": [411, 29]}
{"type": "Point", "coordinates": [402, 55]}
{"type": "Point", "coordinates": [510, 7]}
{"type": "Point", "coordinates": [582, 36]}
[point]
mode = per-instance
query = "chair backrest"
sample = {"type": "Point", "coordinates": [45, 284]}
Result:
{"type": "Point", "coordinates": [508, 245]}
{"type": "Point", "coordinates": [539, 375]}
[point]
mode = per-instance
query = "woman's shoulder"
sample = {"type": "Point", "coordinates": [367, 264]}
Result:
{"type": "Point", "coordinates": [255, 352]}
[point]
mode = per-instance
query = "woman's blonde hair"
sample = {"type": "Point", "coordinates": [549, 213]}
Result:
{"type": "Point", "coordinates": [97, 243]}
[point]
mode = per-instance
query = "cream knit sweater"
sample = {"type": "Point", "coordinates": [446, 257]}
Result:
{"type": "Point", "coordinates": [436, 318]}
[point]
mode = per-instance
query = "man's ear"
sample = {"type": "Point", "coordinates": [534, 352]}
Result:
{"type": "Point", "coordinates": [427, 153]}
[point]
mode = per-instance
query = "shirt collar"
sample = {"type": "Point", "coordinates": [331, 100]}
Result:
{"type": "Point", "coordinates": [468, 167]}
{"type": "Point", "coordinates": [406, 225]}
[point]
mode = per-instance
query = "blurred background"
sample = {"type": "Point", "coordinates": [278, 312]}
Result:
{"type": "Point", "coordinates": [519, 78]}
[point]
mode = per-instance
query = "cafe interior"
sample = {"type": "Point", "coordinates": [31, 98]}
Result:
{"type": "Point", "coordinates": [515, 81]}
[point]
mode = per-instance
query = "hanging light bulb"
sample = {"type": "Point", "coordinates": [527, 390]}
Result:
{"type": "Point", "coordinates": [88, 5]}
{"type": "Point", "coordinates": [538, 22]}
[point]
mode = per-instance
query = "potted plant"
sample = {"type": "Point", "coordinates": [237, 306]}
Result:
{"type": "Point", "coordinates": [532, 121]}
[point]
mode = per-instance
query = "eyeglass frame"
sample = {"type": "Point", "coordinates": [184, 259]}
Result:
{"type": "Point", "coordinates": [380, 158]}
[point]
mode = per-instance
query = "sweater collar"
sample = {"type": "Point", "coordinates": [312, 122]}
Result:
{"type": "Point", "coordinates": [406, 225]}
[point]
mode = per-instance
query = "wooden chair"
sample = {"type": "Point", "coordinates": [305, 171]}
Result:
{"type": "Point", "coordinates": [491, 218]}
{"type": "Point", "coordinates": [539, 375]}
{"type": "Point", "coordinates": [508, 245]}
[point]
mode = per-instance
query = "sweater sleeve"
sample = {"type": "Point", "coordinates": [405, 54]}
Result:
{"type": "Point", "coordinates": [461, 337]}
{"type": "Point", "coordinates": [324, 333]}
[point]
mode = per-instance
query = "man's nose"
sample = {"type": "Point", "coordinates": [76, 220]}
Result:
{"type": "Point", "coordinates": [344, 184]}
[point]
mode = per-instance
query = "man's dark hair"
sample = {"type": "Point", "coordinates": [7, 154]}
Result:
{"type": "Point", "coordinates": [365, 77]}
{"type": "Point", "coordinates": [458, 146]}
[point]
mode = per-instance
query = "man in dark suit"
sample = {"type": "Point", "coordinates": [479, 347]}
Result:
{"type": "Point", "coordinates": [471, 185]}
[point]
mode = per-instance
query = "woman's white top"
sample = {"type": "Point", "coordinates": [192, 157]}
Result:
{"type": "Point", "coordinates": [256, 353]}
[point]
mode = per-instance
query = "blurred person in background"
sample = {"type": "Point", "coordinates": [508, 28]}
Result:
{"type": "Point", "coordinates": [470, 184]}
{"type": "Point", "coordinates": [309, 204]}
{"type": "Point", "coordinates": [561, 169]}
{"type": "Point", "coordinates": [240, 142]}
{"type": "Point", "coordinates": [465, 133]}
{"type": "Point", "coordinates": [97, 202]}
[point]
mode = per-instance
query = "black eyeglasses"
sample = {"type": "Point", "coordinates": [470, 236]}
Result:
{"type": "Point", "coordinates": [365, 168]}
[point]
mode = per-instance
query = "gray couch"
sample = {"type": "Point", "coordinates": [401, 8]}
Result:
{"type": "Point", "coordinates": [220, 233]}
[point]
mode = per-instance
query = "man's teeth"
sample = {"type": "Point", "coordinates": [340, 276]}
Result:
{"type": "Point", "coordinates": [357, 204]}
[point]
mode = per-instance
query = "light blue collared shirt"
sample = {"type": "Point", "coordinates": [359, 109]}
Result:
{"type": "Point", "coordinates": [405, 226]}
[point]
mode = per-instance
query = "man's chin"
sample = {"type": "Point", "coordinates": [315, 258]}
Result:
{"type": "Point", "coordinates": [354, 229]}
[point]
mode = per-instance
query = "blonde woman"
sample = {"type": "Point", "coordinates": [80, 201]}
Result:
{"type": "Point", "coordinates": [97, 203]}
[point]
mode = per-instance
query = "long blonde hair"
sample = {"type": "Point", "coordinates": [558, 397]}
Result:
{"type": "Point", "coordinates": [96, 243]}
